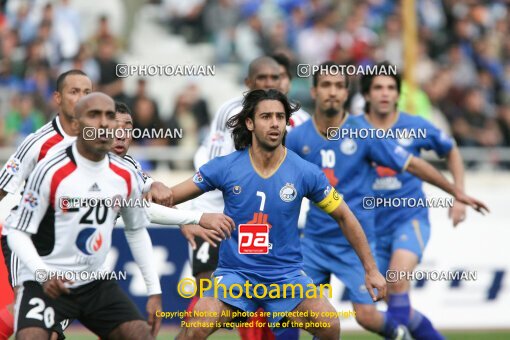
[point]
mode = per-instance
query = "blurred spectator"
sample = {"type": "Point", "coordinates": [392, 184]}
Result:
{"type": "Point", "coordinates": [192, 118]}
{"type": "Point", "coordinates": [109, 83]}
{"type": "Point", "coordinates": [50, 48]}
{"type": "Point", "coordinates": [473, 126]}
{"type": "Point", "coordinates": [249, 41]}
{"type": "Point", "coordinates": [141, 92]}
{"type": "Point", "coordinates": [146, 120]}
{"type": "Point", "coordinates": [222, 31]}
{"type": "Point", "coordinates": [67, 29]}
{"type": "Point", "coordinates": [463, 69]}
{"type": "Point", "coordinates": [84, 61]}
{"type": "Point", "coordinates": [391, 41]}
{"type": "Point", "coordinates": [296, 22]}
{"type": "Point", "coordinates": [192, 115]}
{"type": "Point", "coordinates": [22, 120]}
{"type": "Point", "coordinates": [103, 32]}
{"type": "Point", "coordinates": [185, 17]}
{"type": "Point", "coordinates": [316, 42]}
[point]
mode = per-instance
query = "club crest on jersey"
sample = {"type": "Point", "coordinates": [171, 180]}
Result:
{"type": "Point", "coordinates": [348, 146]}
{"type": "Point", "coordinates": [288, 193]}
{"type": "Point", "coordinates": [198, 177]}
{"type": "Point", "coordinates": [30, 200]}
{"type": "Point", "coordinates": [401, 151]}
{"type": "Point", "coordinates": [305, 150]}
{"type": "Point", "coordinates": [405, 141]}
{"type": "Point", "coordinates": [89, 241]}
{"type": "Point", "coordinates": [237, 189]}
{"type": "Point", "coordinates": [13, 166]}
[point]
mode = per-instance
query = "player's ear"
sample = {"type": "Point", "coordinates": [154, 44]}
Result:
{"type": "Point", "coordinates": [57, 97]}
{"type": "Point", "coordinates": [247, 82]}
{"type": "Point", "coordinates": [249, 124]}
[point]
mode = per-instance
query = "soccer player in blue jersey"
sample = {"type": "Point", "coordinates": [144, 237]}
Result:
{"type": "Point", "coordinates": [403, 232]}
{"type": "Point", "coordinates": [346, 159]}
{"type": "Point", "coordinates": [264, 183]}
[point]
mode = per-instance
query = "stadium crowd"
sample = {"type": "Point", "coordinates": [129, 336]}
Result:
{"type": "Point", "coordinates": [462, 71]}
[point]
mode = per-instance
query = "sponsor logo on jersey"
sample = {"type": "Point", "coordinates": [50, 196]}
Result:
{"type": "Point", "coordinates": [30, 200]}
{"type": "Point", "coordinates": [288, 193]}
{"type": "Point", "coordinates": [348, 146]}
{"type": "Point", "coordinates": [217, 138]}
{"type": "Point", "coordinates": [89, 241]}
{"type": "Point", "coordinates": [198, 177]}
{"type": "Point", "coordinates": [405, 141]}
{"type": "Point", "coordinates": [327, 191]}
{"type": "Point", "coordinates": [237, 189]}
{"type": "Point", "coordinates": [253, 239]}
{"type": "Point", "coordinates": [13, 166]}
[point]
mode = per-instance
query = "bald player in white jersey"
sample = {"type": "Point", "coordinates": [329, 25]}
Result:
{"type": "Point", "coordinates": [40, 235]}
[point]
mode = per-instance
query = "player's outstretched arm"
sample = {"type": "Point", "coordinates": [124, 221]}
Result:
{"type": "Point", "coordinates": [424, 170]}
{"type": "Point", "coordinates": [456, 166]}
{"type": "Point", "coordinates": [185, 191]}
{"type": "Point", "coordinates": [356, 237]}
{"type": "Point", "coordinates": [160, 193]}
{"type": "Point", "coordinates": [220, 223]}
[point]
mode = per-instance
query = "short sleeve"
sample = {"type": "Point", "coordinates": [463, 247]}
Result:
{"type": "Point", "coordinates": [437, 140]}
{"type": "Point", "coordinates": [210, 176]}
{"type": "Point", "coordinates": [387, 153]}
{"type": "Point", "coordinates": [20, 165]}
{"type": "Point", "coordinates": [320, 191]}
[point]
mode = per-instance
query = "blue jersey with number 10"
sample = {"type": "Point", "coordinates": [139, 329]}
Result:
{"type": "Point", "coordinates": [275, 200]}
{"type": "Point", "coordinates": [347, 163]}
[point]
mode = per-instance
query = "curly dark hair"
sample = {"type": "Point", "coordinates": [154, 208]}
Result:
{"type": "Point", "coordinates": [242, 136]}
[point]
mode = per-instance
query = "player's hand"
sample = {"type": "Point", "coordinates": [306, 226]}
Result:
{"type": "Point", "coordinates": [220, 223]}
{"type": "Point", "coordinates": [190, 231]}
{"type": "Point", "coordinates": [55, 287]}
{"type": "Point", "coordinates": [457, 213]}
{"type": "Point", "coordinates": [154, 305]}
{"type": "Point", "coordinates": [374, 279]}
{"type": "Point", "coordinates": [160, 194]}
{"type": "Point", "coordinates": [472, 202]}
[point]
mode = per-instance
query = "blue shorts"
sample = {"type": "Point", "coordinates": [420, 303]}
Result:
{"type": "Point", "coordinates": [272, 304]}
{"type": "Point", "coordinates": [322, 259]}
{"type": "Point", "coordinates": [412, 235]}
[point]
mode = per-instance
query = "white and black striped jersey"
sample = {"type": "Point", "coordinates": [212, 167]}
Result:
{"type": "Point", "coordinates": [144, 177]}
{"type": "Point", "coordinates": [49, 139]}
{"type": "Point", "coordinates": [220, 143]}
{"type": "Point", "coordinates": [71, 237]}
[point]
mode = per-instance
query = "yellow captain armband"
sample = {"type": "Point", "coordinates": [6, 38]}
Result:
{"type": "Point", "coordinates": [331, 202]}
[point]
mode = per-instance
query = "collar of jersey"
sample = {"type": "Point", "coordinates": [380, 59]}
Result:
{"type": "Point", "coordinates": [397, 117]}
{"type": "Point", "coordinates": [61, 129]}
{"type": "Point", "coordinates": [83, 162]}
{"type": "Point", "coordinates": [274, 171]}
{"type": "Point", "coordinates": [317, 129]}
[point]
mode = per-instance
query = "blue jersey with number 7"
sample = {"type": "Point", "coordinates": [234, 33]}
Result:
{"type": "Point", "coordinates": [273, 200]}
